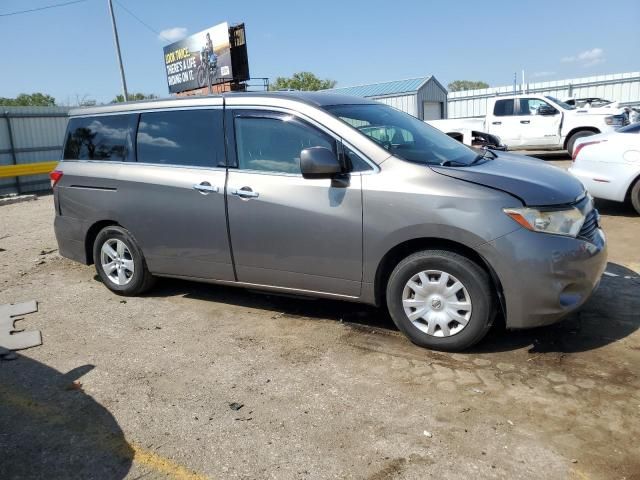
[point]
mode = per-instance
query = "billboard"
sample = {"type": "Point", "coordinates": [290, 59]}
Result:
{"type": "Point", "coordinates": [201, 59]}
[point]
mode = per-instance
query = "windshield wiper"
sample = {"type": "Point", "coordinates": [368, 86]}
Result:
{"type": "Point", "coordinates": [483, 156]}
{"type": "Point", "coordinates": [452, 163]}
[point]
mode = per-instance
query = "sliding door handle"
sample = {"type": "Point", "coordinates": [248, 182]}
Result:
{"type": "Point", "coordinates": [205, 188]}
{"type": "Point", "coordinates": [496, 123]}
{"type": "Point", "coordinates": [244, 192]}
{"type": "Point", "coordinates": [526, 122]}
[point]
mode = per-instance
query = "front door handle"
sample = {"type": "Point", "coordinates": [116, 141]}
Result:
{"type": "Point", "coordinates": [244, 192]}
{"type": "Point", "coordinates": [205, 188]}
{"type": "Point", "coordinates": [496, 123]}
{"type": "Point", "coordinates": [527, 122]}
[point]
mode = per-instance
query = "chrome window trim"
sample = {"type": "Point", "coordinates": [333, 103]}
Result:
{"type": "Point", "coordinates": [150, 110]}
{"type": "Point", "coordinates": [158, 104]}
{"type": "Point", "coordinates": [264, 172]}
{"type": "Point", "coordinates": [165, 165]}
{"type": "Point", "coordinates": [171, 165]}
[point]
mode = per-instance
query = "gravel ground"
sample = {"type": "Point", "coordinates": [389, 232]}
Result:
{"type": "Point", "coordinates": [201, 381]}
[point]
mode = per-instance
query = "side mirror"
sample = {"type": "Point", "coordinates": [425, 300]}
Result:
{"type": "Point", "coordinates": [319, 162]}
{"type": "Point", "coordinates": [546, 110]}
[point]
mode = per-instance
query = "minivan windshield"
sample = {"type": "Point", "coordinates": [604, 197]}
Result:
{"type": "Point", "coordinates": [405, 136]}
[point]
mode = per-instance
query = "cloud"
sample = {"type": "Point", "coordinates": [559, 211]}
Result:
{"type": "Point", "coordinates": [112, 133]}
{"type": "Point", "coordinates": [588, 58]}
{"type": "Point", "coordinates": [542, 74]}
{"type": "Point", "coordinates": [173, 34]}
{"type": "Point", "coordinates": [147, 139]}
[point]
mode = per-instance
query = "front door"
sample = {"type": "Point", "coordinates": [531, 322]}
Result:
{"type": "Point", "coordinates": [287, 231]}
{"type": "Point", "coordinates": [538, 130]}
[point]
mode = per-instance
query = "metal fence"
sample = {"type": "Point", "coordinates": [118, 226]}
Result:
{"type": "Point", "coordinates": [623, 87]}
{"type": "Point", "coordinates": [30, 135]}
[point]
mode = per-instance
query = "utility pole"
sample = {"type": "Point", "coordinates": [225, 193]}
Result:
{"type": "Point", "coordinates": [115, 37]}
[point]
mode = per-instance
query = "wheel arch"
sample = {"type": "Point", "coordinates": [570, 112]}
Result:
{"type": "Point", "coordinates": [635, 179]}
{"type": "Point", "coordinates": [91, 235]}
{"type": "Point", "coordinates": [594, 130]}
{"type": "Point", "coordinates": [408, 247]}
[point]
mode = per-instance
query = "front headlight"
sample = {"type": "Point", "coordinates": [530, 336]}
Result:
{"type": "Point", "coordinates": [566, 222]}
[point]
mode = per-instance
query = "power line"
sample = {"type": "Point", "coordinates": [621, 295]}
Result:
{"type": "Point", "coordinates": [56, 5]}
{"type": "Point", "coordinates": [149, 27]}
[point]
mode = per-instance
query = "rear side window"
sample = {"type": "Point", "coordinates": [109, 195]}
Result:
{"type": "Point", "coordinates": [182, 137]}
{"type": "Point", "coordinates": [107, 138]}
{"type": "Point", "coordinates": [502, 108]}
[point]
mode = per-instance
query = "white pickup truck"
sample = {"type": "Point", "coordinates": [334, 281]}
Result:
{"type": "Point", "coordinates": [536, 122]}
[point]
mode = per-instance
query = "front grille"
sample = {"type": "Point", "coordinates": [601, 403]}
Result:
{"type": "Point", "coordinates": [590, 227]}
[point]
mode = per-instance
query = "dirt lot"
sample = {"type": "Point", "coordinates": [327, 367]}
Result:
{"type": "Point", "coordinates": [328, 389]}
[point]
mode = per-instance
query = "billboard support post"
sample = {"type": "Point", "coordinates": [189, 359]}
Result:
{"type": "Point", "coordinates": [117, 42]}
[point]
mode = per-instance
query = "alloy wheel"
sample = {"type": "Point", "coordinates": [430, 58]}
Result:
{"type": "Point", "coordinates": [117, 261]}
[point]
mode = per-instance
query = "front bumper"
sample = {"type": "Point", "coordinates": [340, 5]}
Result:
{"type": "Point", "coordinates": [545, 277]}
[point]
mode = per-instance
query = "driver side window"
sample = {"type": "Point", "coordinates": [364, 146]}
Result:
{"type": "Point", "coordinates": [274, 144]}
{"type": "Point", "coordinates": [530, 106]}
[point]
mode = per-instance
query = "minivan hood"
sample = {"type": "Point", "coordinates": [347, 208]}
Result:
{"type": "Point", "coordinates": [531, 180]}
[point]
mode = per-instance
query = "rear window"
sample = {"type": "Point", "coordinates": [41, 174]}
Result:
{"type": "Point", "coordinates": [107, 138]}
{"type": "Point", "coordinates": [182, 137]}
{"type": "Point", "coordinates": [503, 108]}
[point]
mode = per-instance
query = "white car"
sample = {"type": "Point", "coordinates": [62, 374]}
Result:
{"type": "Point", "coordinates": [608, 164]}
{"type": "Point", "coordinates": [537, 122]}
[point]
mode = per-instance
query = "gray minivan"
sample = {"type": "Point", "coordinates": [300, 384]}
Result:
{"type": "Point", "coordinates": [330, 196]}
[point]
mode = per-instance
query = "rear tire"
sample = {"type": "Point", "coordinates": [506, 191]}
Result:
{"type": "Point", "coordinates": [572, 139]}
{"type": "Point", "coordinates": [448, 297]}
{"type": "Point", "coordinates": [120, 263]}
{"type": "Point", "coordinates": [635, 196]}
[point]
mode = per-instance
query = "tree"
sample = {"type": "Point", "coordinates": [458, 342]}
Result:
{"type": "Point", "coordinates": [134, 96]}
{"type": "Point", "coordinates": [29, 100]}
{"type": "Point", "coordinates": [458, 85]}
{"type": "Point", "coordinates": [305, 81]}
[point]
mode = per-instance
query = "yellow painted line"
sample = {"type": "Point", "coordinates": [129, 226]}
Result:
{"type": "Point", "coordinates": [26, 169]}
{"type": "Point", "coordinates": [163, 465]}
{"type": "Point", "coordinates": [142, 456]}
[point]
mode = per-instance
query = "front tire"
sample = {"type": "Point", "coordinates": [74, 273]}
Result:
{"type": "Point", "coordinates": [120, 263]}
{"type": "Point", "coordinates": [441, 300]}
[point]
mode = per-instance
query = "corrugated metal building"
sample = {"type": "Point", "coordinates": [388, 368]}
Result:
{"type": "Point", "coordinates": [30, 135]}
{"type": "Point", "coordinates": [422, 97]}
{"type": "Point", "coordinates": [623, 87]}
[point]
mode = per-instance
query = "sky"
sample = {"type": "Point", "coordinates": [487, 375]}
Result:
{"type": "Point", "coordinates": [68, 52]}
